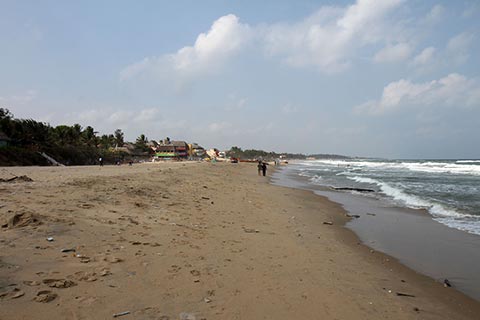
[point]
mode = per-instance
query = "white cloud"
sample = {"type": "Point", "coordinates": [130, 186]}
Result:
{"type": "Point", "coordinates": [146, 115]}
{"type": "Point", "coordinates": [235, 103]}
{"type": "Point", "coordinates": [425, 56]}
{"type": "Point", "coordinates": [210, 50]}
{"type": "Point", "coordinates": [393, 53]}
{"type": "Point", "coordinates": [136, 68]}
{"type": "Point", "coordinates": [20, 99]}
{"type": "Point", "coordinates": [289, 109]}
{"type": "Point", "coordinates": [21, 104]}
{"type": "Point", "coordinates": [225, 37]}
{"type": "Point", "coordinates": [453, 90]}
{"type": "Point", "coordinates": [107, 117]}
{"type": "Point", "coordinates": [216, 127]}
{"type": "Point", "coordinates": [458, 47]}
{"type": "Point", "coordinates": [435, 15]}
{"type": "Point", "coordinates": [120, 118]}
{"type": "Point", "coordinates": [328, 39]}
{"type": "Point", "coordinates": [471, 9]}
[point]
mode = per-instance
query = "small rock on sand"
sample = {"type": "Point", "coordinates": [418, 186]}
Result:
{"type": "Point", "coordinates": [187, 316]}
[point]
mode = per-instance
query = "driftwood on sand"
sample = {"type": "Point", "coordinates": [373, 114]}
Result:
{"type": "Point", "coordinates": [352, 189]}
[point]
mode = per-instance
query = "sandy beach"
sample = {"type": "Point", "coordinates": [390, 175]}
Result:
{"type": "Point", "coordinates": [194, 241]}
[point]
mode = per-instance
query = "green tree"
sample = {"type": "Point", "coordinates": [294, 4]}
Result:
{"type": "Point", "coordinates": [141, 143]}
{"type": "Point", "coordinates": [61, 135]}
{"type": "Point", "coordinates": [119, 137]}
{"type": "Point", "coordinates": [89, 136]}
{"type": "Point", "coordinates": [6, 121]}
{"type": "Point", "coordinates": [235, 152]}
{"type": "Point", "coordinates": [107, 141]}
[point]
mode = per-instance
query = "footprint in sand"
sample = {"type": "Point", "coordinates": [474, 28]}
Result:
{"type": "Point", "coordinates": [59, 283]}
{"type": "Point", "coordinates": [174, 269]}
{"type": "Point", "coordinates": [31, 283]}
{"type": "Point", "coordinates": [45, 296]}
{"type": "Point", "coordinates": [13, 294]}
{"type": "Point", "coordinates": [85, 276]}
{"type": "Point", "coordinates": [195, 273]}
{"type": "Point", "coordinates": [86, 205]}
{"type": "Point", "coordinates": [111, 259]}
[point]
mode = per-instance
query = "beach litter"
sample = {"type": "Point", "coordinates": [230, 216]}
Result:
{"type": "Point", "coordinates": [187, 316]}
{"type": "Point", "coordinates": [83, 258]}
{"type": "Point", "coordinates": [328, 223]}
{"type": "Point", "coordinates": [50, 239]}
{"type": "Point", "coordinates": [352, 189]}
{"type": "Point", "coordinates": [356, 216]}
{"type": "Point", "coordinates": [124, 313]}
{"type": "Point", "coordinates": [400, 294]}
{"type": "Point", "coordinates": [68, 250]}
{"type": "Point", "coordinates": [17, 178]}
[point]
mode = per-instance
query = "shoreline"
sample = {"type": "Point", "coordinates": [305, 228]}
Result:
{"type": "Point", "coordinates": [198, 240]}
{"type": "Point", "coordinates": [411, 236]}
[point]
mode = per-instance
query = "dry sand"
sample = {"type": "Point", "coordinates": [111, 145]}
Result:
{"type": "Point", "coordinates": [194, 241]}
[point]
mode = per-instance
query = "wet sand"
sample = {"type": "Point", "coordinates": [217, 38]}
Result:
{"type": "Point", "coordinates": [409, 235]}
{"type": "Point", "coordinates": [194, 241]}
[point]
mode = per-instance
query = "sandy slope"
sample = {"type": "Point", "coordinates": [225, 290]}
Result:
{"type": "Point", "coordinates": [194, 241]}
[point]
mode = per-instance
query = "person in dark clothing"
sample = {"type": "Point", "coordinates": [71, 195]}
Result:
{"type": "Point", "coordinates": [260, 167]}
{"type": "Point", "coordinates": [101, 161]}
{"type": "Point", "coordinates": [264, 168]}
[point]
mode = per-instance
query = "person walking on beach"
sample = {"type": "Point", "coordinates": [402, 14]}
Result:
{"type": "Point", "coordinates": [101, 161]}
{"type": "Point", "coordinates": [260, 167]}
{"type": "Point", "coordinates": [264, 168]}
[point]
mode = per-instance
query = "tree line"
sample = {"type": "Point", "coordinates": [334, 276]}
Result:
{"type": "Point", "coordinates": [72, 144]}
{"type": "Point", "coordinates": [237, 152]}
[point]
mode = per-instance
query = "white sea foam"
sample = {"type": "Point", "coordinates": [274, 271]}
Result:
{"type": "Point", "coordinates": [427, 167]}
{"type": "Point", "coordinates": [411, 201]}
{"type": "Point", "coordinates": [439, 167]}
{"type": "Point", "coordinates": [305, 174]}
{"type": "Point", "coordinates": [388, 177]}
{"type": "Point", "coordinates": [316, 179]}
{"type": "Point", "coordinates": [464, 225]}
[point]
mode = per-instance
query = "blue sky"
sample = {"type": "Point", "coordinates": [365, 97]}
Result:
{"type": "Point", "coordinates": [390, 78]}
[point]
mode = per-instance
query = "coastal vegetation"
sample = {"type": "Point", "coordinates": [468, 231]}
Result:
{"type": "Point", "coordinates": [26, 139]}
{"type": "Point", "coordinates": [31, 142]}
{"type": "Point", "coordinates": [236, 152]}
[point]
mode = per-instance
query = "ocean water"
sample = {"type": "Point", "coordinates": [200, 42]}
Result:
{"type": "Point", "coordinates": [449, 190]}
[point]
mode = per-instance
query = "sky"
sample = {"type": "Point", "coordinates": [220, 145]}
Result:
{"type": "Point", "coordinates": [376, 78]}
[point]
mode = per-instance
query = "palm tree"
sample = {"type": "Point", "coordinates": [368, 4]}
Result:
{"type": "Point", "coordinates": [119, 137]}
{"type": "Point", "coordinates": [89, 136]}
{"type": "Point", "coordinates": [141, 143]}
